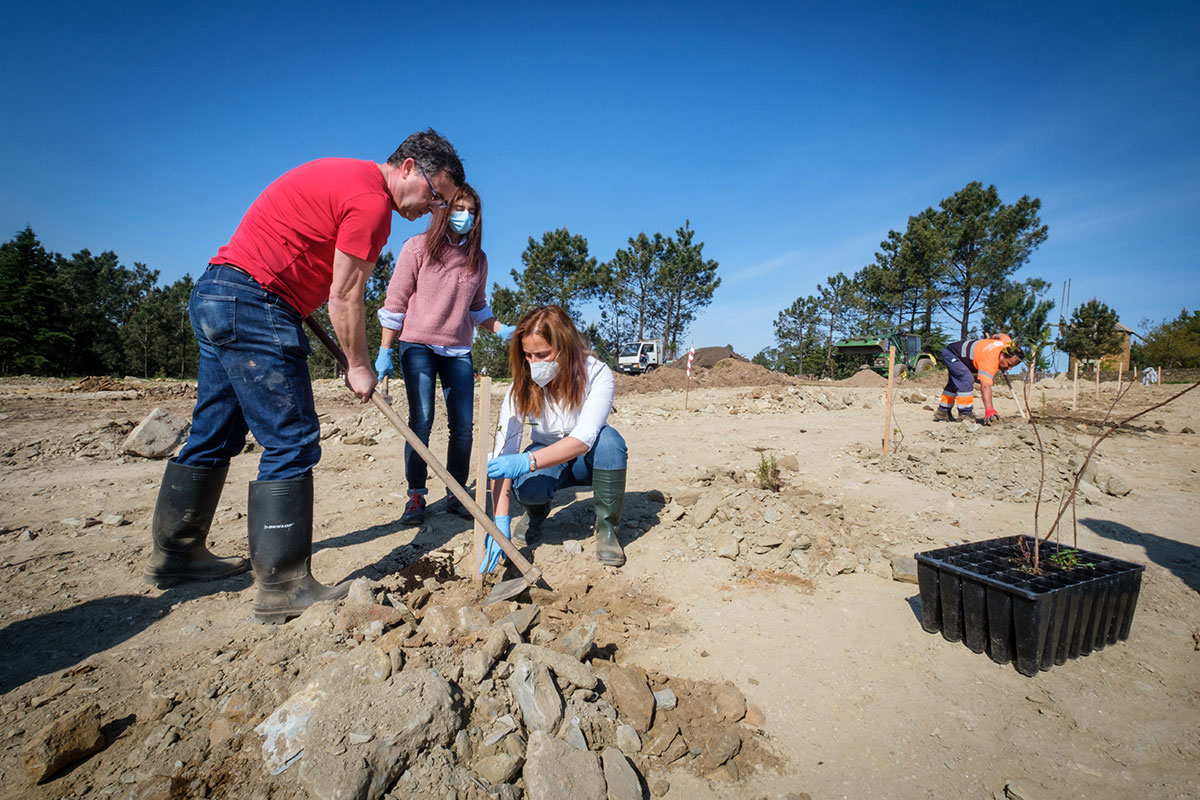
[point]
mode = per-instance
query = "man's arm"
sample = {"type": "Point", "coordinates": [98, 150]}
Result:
{"type": "Point", "coordinates": [348, 315]}
{"type": "Point", "coordinates": [985, 391]}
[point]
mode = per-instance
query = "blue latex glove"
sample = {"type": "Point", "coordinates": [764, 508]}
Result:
{"type": "Point", "coordinates": [491, 556]}
{"type": "Point", "coordinates": [513, 466]}
{"type": "Point", "coordinates": [383, 363]}
{"type": "Point", "coordinates": [506, 331]}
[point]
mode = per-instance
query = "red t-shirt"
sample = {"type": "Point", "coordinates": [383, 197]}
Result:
{"type": "Point", "coordinates": [287, 238]}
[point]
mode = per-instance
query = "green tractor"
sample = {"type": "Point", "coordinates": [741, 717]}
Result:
{"type": "Point", "coordinates": [909, 358]}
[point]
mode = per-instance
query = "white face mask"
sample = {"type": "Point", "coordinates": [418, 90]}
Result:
{"type": "Point", "coordinates": [543, 372]}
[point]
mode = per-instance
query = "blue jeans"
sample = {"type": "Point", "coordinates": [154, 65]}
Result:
{"type": "Point", "coordinates": [420, 366]}
{"type": "Point", "coordinates": [538, 488]}
{"type": "Point", "coordinates": [253, 376]}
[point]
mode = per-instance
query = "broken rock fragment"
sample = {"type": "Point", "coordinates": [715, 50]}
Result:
{"type": "Point", "coordinates": [156, 436]}
{"type": "Point", "coordinates": [556, 770]}
{"type": "Point", "coordinates": [68, 739]}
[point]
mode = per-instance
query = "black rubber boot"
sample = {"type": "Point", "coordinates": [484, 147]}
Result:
{"type": "Point", "coordinates": [608, 489]}
{"type": "Point", "coordinates": [280, 515]}
{"type": "Point", "coordinates": [529, 525]}
{"type": "Point", "coordinates": [182, 516]}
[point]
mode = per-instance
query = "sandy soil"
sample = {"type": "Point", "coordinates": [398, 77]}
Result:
{"type": "Point", "coordinates": [850, 698]}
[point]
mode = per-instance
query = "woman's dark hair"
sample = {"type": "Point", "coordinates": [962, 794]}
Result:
{"type": "Point", "coordinates": [555, 326]}
{"type": "Point", "coordinates": [439, 224]}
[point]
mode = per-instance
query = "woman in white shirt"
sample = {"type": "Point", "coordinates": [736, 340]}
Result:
{"type": "Point", "coordinates": [563, 394]}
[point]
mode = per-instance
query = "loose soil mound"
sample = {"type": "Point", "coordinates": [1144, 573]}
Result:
{"type": "Point", "coordinates": [706, 358]}
{"type": "Point", "coordinates": [99, 383]}
{"type": "Point", "coordinates": [864, 377]}
{"type": "Point", "coordinates": [733, 371]}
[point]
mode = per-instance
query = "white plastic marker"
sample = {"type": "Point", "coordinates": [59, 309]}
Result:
{"type": "Point", "coordinates": [688, 389]}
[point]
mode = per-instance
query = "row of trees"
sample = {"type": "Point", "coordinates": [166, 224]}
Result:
{"type": "Point", "coordinates": [652, 288]}
{"type": "Point", "coordinates": [1173, 343]}
{"type": "Point", "coordinates": [955, 262]}
{"type": "Point", "coordinates": [89, 315]}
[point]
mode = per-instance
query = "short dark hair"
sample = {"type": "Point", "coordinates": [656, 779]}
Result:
{"type": "Point", "coordinates": [432, 153]}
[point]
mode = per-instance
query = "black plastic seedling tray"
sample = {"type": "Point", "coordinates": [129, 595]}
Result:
{"type": "Point", "coordinates": [979, 594]}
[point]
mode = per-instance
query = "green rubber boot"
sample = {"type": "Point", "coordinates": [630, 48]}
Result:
{"type": "Point", "coordinates": [182, 516]}
{"type": "Point", "coordinates": [529, 524]}
{"type": "Point", "coordinates": [280, 515]}
{"type": "Point", "coordinates": [608, 488]}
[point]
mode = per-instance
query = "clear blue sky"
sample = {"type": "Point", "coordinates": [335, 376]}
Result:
{"type": "Point", "coordinates": [792, 135]}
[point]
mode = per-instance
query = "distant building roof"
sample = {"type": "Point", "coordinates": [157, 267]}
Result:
{"type": "Point", "coordinates": [1123, 329]}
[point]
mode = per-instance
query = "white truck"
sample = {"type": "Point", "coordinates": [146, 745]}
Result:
{"type": "Point", "coordinates": [641, 356]}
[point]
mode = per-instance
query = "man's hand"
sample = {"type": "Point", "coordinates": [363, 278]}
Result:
{"type": "Point", "coordinates": [361, 381]}
{"type": "Point", "coordinates": [513, 466]}
{"type": "Point", "coordinates": [990, 416]}
{"type": "Point", "coordinates": [383, 363]}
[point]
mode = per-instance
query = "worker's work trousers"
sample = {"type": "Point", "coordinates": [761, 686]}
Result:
{"type": "Point", "coordinates": [253, 375]}
{"type": "Point", "coordinates": [538, 488]}
{"type": "Point", "coordinates": [960, 384]}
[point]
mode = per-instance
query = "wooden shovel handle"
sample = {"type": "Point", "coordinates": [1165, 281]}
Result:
{"type": "Point", "coordinates": [456, 488]}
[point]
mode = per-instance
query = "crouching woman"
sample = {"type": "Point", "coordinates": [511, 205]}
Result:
{"type": "Point", "coordinates": [563, 394]}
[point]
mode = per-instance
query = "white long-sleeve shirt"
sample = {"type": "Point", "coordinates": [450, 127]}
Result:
{"type": "Point", "coordinates": [555, 422]}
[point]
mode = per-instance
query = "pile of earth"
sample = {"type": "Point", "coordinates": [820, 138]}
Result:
{"type": "Point", "coordinates": [408, 688]}
{"type": "Point", "coordinates": [98, 383]}
{"type": "Point", "coordinates": [706, 358]}
{"type": "Point", "coordinates": [730, 371]}
{"type": "Point", "coordinates": [133, 387]}
{"type": "Point", "coordinates": [864, 377]}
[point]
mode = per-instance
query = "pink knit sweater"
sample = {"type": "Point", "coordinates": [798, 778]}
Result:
{"type": "Point", "coordinates": [436, 297]}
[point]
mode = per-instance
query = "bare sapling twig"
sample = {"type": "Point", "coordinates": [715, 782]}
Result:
{"type": "Point", "coordinates": [1068, 499]}
{"type": "Point", "coordinates": [1042, 475]}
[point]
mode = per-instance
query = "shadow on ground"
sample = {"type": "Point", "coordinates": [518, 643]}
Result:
{"type": "Point", "coordinates": [1180, 558]}
{"type": "Point", "coordinates": [63, 638]}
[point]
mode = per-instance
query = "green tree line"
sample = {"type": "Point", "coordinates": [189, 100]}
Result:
{"type": "Point", "coordinates": [91, 315]}
{"type": "Point", "coordinates": [955, 262]}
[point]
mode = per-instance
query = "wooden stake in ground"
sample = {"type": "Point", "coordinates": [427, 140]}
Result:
{"type": "Point", "coordinates": [1120, 375]}
{"type": "Point", "coordinates": [1160, 376]}
{"type": "Point", "coordinates": [887, 418]}
{"type": "Point", "coordinates": [481, 478]}
{"type": "Point", "coordinates": [1020, 410]}
{"type": "Point", "coordinates": [1097, 380]}
{"type": "Point", "coordinates": [1075, 388]}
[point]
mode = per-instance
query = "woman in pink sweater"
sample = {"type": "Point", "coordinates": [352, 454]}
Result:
{"type": "Point", "coordinates": [434, 302]}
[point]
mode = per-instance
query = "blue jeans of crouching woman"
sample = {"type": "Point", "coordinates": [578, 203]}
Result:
{"type": "Point", "coordinates": [421, 367]}
{"type": "Point", "coordinates": [538, 488]}
{"type": "Point", "coordinates": [253, 375]}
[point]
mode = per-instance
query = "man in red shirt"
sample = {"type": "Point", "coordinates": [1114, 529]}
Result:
{"type": "Point", "coordinates": [312, 235]}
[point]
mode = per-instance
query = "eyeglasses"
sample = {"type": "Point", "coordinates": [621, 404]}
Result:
{"type": "Point", "coordinates": [436, 201]}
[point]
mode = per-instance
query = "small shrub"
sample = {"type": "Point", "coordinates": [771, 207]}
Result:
{"type": "Point", "coordinates": [768, 473]}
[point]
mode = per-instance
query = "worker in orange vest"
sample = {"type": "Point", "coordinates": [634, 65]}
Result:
{"type": "Point", "coordinates": [972, 361]}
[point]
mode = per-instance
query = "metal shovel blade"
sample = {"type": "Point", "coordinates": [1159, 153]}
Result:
{"type": "Point", "coordinates": [513, 587]}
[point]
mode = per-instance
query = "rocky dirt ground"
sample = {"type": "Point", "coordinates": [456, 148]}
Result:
{"type": "Point", "coordinates": [758, 644]}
